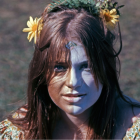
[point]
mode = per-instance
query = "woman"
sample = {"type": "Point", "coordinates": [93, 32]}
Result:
{"type": "Point", "coordinates": [73, 89]}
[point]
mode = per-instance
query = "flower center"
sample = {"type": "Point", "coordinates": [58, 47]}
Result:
{"type": "Point", "coordinates": [34, 27]}
{"type": "Point", "coordinates": [107, 17]}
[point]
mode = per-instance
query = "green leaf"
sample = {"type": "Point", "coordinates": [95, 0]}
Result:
{"type": "Point", "coordinates": [53, 4]}
{"type": "Point", "coordinates": [90, 9]}
{"type": "Point", "coordinates": [120, 6]}
{"type": "Point", "coordinates": [51, 7]}
{"type": "Point", "coordinates": [115, 4]}
{"type": "Point", "coordinates": [69, 1]}
{"type": "Point", "coordinates": [103, 6]}
{"type": "Point", "coordinates": [84, 1]}
{"type": "Point", "coordinates": [96, 11]}
{"type": "Point", "coordinates": [76, 1]}
{"type": "Point", "coordinates": [111, 4]}
{"type": "Point", "coordinates": [118, 13]}
{"type": "Point", "coordinates": [92, 2]}
{"type": "Point", "coordinates": [58, 2]}
{"type": "Point", "coordinates": [98, 4]}
{"type": "Point", "coordinates": [53, 1]}
{"type": "Point", "coordinates": [77, 4]}
{"type": "Point", "coordinates": [66, 3]}
{"type": "Point", "coordinates": [70, 6]}
{"type": "Point", "coordinates": [106, 6]}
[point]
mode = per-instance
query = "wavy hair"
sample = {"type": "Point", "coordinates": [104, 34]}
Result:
{"type": "Point", "coordinates": [59, 25]}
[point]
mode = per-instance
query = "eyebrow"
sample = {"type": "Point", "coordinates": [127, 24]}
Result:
{"type": "Point", "coordinates": [80, 63]}
{"type": "Point", "coordinates": [60, 62]}
{"type": "Point", "coordinates": [83, 62]}
{"type": "Point", "coordinates": [64, 63]}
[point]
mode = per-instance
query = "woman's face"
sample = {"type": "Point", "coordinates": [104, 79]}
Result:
{"type": "Point", "coordinates": [77, 91]}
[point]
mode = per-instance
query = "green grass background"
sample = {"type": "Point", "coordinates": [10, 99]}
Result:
{"type": "Point", "coordinates": [16, 52]}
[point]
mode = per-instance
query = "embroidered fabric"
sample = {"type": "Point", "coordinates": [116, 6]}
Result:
{"type": "Point", "coordinates": [133, 132]}
{"type": "Point", "coordinates": [10, 132]}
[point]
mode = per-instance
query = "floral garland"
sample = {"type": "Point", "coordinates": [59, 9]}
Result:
{"type": "Point", "coordinates": [105, 9]}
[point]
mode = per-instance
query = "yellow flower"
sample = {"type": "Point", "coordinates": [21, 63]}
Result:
{"type": "Point", "coordinates": [33, 28]}
{"type": "Point", "coordinates": [110, 17]}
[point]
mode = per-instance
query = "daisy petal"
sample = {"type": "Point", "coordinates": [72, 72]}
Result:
{"type": "Point", "coordinates": [27, 29]}
{"type": "Point", "coordinates": [31, 37]}
{"type": "Point", "coordinates": [115, 16]}
{"type": "Point", "coordinates": [113, 21]}
{"type": "Point", "coordinates": [29, 24]}
{"type": "Point", "coordinates": [38, 20]}
{"type": "Point", "coordinates": [31, 20]}
{"type": "Point", "coordinates": [113, 12]}
{"type": "Point", "coordinates": [35, 21]}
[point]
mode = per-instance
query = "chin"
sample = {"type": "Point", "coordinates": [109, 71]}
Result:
{"type": "Point", "coordinates": [77, 110]}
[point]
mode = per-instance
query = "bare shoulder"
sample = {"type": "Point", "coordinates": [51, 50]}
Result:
{"type": "Point", "coordinates": [136, 106]}
{"type": "Point", "coordinates": [125, 112]}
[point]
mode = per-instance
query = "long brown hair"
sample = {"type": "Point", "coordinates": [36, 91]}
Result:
{"type": "Point", "coordinates": [59, 25]}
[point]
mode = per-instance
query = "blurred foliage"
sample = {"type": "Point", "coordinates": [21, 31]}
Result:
{"type": "Point", "coordinates": [16, 52]}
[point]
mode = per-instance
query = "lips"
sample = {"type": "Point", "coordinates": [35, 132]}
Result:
{"type": "Point", "coordinates": [73, 95]}
{"type": "Point", "coordinates": [73, 98]}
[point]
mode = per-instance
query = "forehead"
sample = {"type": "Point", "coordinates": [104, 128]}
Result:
{"type": "Point", "coordinates": [78, 54]}
{"type": "Point", "coordinates": [72, 55]}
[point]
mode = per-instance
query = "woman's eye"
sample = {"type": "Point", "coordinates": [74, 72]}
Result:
{"type": "Point", "coordinates": [58, 68]}
{"type": "Point", "coordinates": [85, 67]}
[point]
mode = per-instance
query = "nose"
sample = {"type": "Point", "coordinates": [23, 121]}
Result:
{"type": "Point", "coordinates": [74, 79]}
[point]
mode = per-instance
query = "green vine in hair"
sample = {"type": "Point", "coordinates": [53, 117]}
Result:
{"type": "Point", "coordinates": [105, 9]}
{"type": "Point", "coordinates": [94, 6]}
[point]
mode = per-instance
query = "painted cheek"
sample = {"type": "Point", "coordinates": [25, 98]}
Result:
{"type": "Point", "coordinates": [88, 78]}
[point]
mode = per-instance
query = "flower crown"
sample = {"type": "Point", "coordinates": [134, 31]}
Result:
{"type": "Point", "coordinates": [105, 9]}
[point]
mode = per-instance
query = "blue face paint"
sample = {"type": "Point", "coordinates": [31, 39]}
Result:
{"type": "Point", "coordinates": [76, 91]}
{"type": "Point", "coordinates": [70, 45]}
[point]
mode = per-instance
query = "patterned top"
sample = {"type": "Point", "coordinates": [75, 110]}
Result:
{"type": "Point", "coordinates": [133, 132]}
{"type": "Point", "coordinates": [8, 131]}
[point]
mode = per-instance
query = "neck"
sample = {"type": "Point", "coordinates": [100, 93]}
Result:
{"type": "Point", "coordinates": [76, 123]}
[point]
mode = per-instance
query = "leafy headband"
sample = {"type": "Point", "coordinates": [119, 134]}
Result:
{"type": "Point", "coordinates": [105, 9]}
